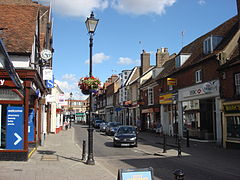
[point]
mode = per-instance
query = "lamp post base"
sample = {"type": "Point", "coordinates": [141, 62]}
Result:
{"type": "Point", "coordinates": [90, 160]}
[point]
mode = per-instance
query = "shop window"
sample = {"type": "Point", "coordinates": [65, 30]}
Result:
{"type": "Point", "coordinates": [233, 128]}
{"type": "Point", "coordinates": [237, 83]}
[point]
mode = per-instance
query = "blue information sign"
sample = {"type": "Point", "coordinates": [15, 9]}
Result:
{"type": "Point", "coordinates": [50, 83]}
{"type": "Point", "coordinates": [14, 139]}
{"type": "Point", "coordinates": [135, 174]}
{"type": "Point", "coordinates": [31, 125]}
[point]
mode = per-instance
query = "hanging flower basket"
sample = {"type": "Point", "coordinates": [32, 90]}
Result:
{"type": "Point", "coordinates": [89, 84]}
{"type": "Point", "coordinates": [85, 92]}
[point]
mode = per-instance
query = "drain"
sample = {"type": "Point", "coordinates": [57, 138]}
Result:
{"type": "Point", "coordinates": [49, 158]}
{"type": "Point", "coordinates": [18, 170]}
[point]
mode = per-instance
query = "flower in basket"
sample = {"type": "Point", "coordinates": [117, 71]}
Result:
{"type": "Point", "coordinates": [89, 83]}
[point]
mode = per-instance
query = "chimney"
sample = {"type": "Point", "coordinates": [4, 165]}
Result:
{"type": "Point", "coordinates": [145, 62]}
{"type": "Point", "coordinates": [162, 56]}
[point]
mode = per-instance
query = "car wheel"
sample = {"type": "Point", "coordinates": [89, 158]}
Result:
{"type": "Point", "coordinates": [136, 145]}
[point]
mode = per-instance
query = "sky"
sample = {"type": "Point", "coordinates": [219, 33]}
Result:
{"type": "Point", "coordinates": [125, 28]}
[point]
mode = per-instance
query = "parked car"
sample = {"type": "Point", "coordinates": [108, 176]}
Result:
{"type": "Point", "coordinates": [112, 128]}
{"type": "Point", "coordinates": [103, 126]}
{"type": "Point", "coordinates": [97, 123]}
{"type": "Point", "coordinates": [125, 136]}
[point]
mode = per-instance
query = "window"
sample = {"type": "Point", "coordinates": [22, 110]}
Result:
{"type": "Point", "coordinates": [237, 83]}
{"type": "Point", "coordinates": [210, 43]}
{"type": "Point", "coordinates": [150, 96]}
{"type": "Point", "coordinates": [198, 76]}
{"type": "Point", "coordinates": [181, 59]}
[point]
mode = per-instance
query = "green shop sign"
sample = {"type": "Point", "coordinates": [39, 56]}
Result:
{"type": "Point", "coordinates": [233, 108]}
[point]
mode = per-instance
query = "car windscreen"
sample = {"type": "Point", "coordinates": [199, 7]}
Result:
{"type": "Point", "coordinates": [126, 130]}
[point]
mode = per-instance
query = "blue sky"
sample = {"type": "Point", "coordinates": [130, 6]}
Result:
{"type": "Point", "coordinates": [125, 28]}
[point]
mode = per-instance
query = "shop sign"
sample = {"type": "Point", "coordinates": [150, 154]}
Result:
{"type": "Point", "coordinates": [150, 110]}
{"type": "Point", "coordinates": [47, 74]}
{"type": "Point", "coordinates": [135, 174]}
{"type": "Point", "coordinates": [61, 99]}
{"type": "Point", "coordinates": [14, 129]}
{"type": "Point", "coordinates": [232, 108]}
{"type": "Point", "coordinates": [31, 125]}
{"type": "Point", "coordinates": [166, 99]}
{"type": "Point", "coordinates": [171, 81]}
{"type": "Point", "coordinates": [208, 88]}
{"type": "Point", "coordinates": [8, 83]}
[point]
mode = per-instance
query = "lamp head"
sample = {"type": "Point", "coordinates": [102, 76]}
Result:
{"type": "Point", "coordinates": [91, 23]}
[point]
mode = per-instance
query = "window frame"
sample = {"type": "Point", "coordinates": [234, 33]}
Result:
{"type": "Point", "coordinates": [237, 83]}
{"type": "Point", "coordinates": [198, 76]}
{"type": "Point", "coordinates": [150, 96]}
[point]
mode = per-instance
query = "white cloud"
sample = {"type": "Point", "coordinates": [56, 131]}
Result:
{"type": "Point", "coordinates": [142, 7]}
{"type": "Point", "coordinates": [127, 61]}
{"type": "Point", "coordinates": [201, 2]}
{"type": "Point", "coordinates": [82, 8]}
{"type": "Point", "coordinates": [71, 77]}
{"type": "Point", "coordinates": [69, 84]}
{"type": "Point", "coordinates": [77, 8]}
{"type": "Point", "coordinates": [98, 58]}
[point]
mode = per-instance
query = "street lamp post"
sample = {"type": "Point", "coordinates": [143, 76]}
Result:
{"type": "Point", "coordinates": [91, 24]}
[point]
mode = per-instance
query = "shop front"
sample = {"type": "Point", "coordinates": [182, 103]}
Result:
{"type": "Point", "coordinates": [149, 118]}
{"type": "Point", "coordinates": [231, 124]}
{"type": "Point", "coordinates": [169, 113]}
{"type": "Point", "coordinates": [200, 107]}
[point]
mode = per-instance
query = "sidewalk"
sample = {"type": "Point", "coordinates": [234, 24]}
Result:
{"type": "Point", "coordinates": [200, 154]}
{"type": "Point", "coordinates": [59, 158]}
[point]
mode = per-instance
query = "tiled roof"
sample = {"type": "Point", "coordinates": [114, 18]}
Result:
{"type": "Point", "coordinates": [226, 30]}
{"type": "Point", "coordinates": [19, 25]}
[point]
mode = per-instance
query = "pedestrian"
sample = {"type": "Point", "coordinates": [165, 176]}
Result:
{"type": "Point", "coordinates": [138, 124]}
{"type": "Point", "coordinates": [66, 124]}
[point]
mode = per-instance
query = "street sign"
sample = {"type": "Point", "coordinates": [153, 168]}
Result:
{"type": "Point", "coordinates": [14, 138]}
{"type": "Point", "coordinates": [31, 125]}
{"type": "Point", "coordinates": [138, 174]}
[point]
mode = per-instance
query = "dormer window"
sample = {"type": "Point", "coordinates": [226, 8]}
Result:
{"type": "Point", "coordinates": [181, 59]}
{"type": "Point", "coordinates": [210, 44]}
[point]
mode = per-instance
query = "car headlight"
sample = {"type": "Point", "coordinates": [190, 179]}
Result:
{"type": "Point", "coordinates": [116, 138]}
{"type": "Point", "coordinates": [132, 139]}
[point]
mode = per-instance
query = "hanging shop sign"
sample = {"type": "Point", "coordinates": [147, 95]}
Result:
{"type": "Point", "coordinates": [47, 74]}
{"type": "Point", "coordinates": [166, 99]}
{"type": "Point", "coordinates": [171, 81]}
{"type": "Point", "coordinates": [50, 83]}
{"type": "Point", "coordinates": [46, 54]}
{"type": "Point", "coordinates": [14, 129]}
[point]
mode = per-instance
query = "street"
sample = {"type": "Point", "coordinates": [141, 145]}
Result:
{"type": "Point", "coordinates": [149, 154]}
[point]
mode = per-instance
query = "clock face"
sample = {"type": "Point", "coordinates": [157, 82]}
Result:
{"type": "Point", "coordinates": [46, 54]}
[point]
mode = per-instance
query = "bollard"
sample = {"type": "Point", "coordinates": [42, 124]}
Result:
{"type": "Point", "coordinates": [84, 156]}
{"type": "Point", "coordinates": [179, 147]}
{"type": "Point", "coordinates": [164, 143]}
{"type": "Point", "coordinates": [188, 145]}
{"type": "Point", "coordinates": [178, 174]}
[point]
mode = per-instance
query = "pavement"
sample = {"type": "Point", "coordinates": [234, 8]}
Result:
{"type": "Point", "coordinates": [60, 158]}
